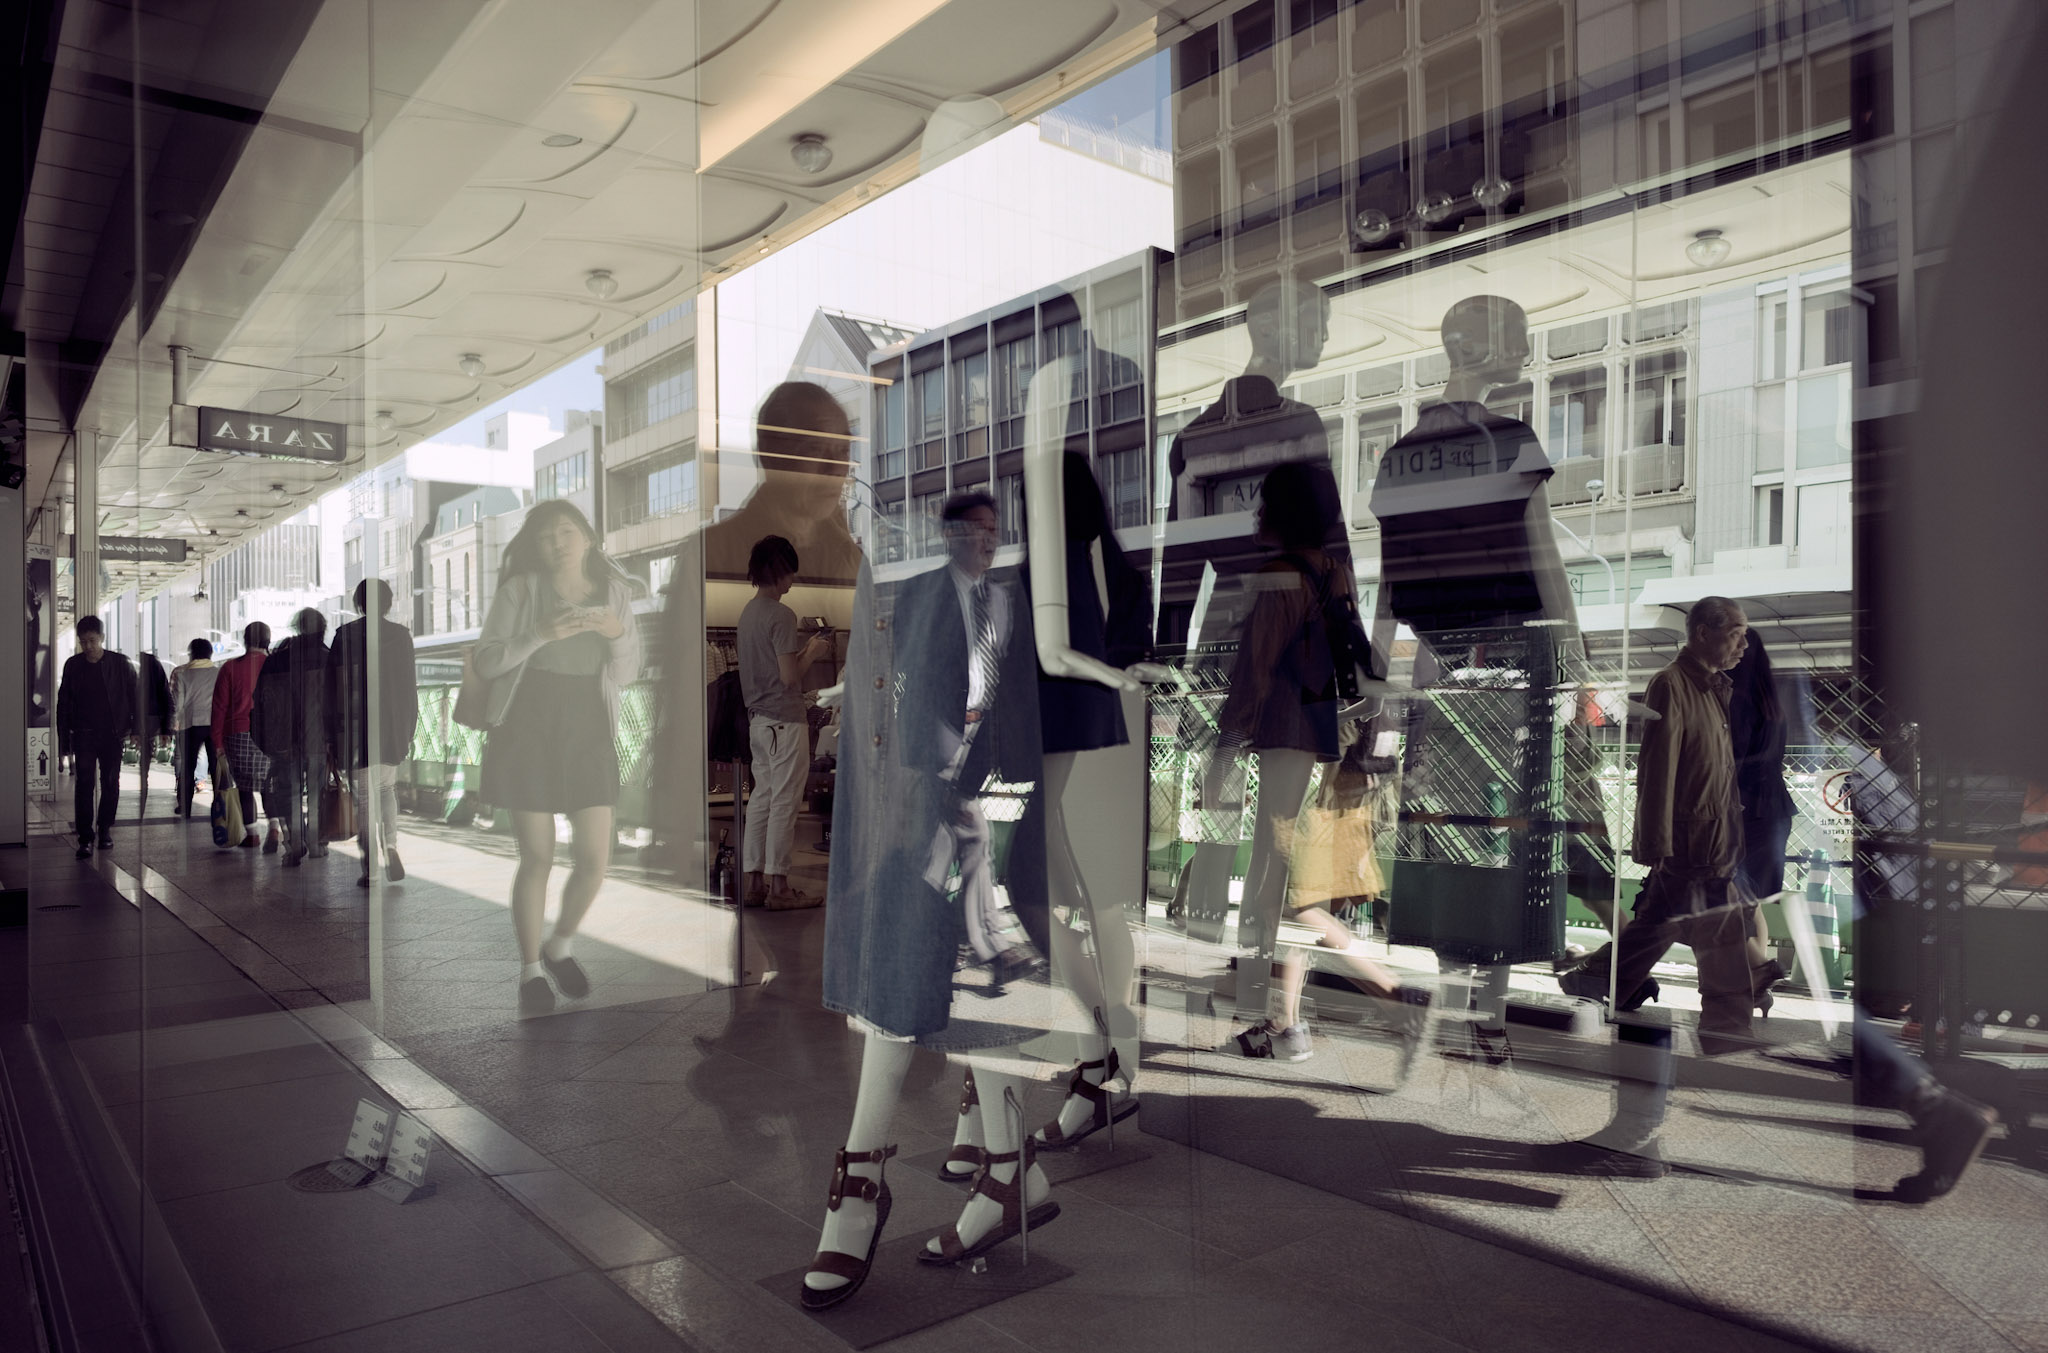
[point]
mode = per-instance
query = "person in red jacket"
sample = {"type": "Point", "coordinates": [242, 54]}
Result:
{"type": "Point", "coordinates": [234, 693]}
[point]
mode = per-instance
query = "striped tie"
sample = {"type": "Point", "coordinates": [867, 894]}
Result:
{"type": "Point", "coordinates": [984, 683]}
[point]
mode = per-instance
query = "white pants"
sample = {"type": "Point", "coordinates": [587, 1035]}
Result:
{"type": "Point", "coordinates": [376, 790]}
{"type": "Point", "coordinates": [781, 757]}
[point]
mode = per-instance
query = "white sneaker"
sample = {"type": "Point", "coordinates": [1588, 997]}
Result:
{"type": "Point", "coordinates": [1292, 1044]}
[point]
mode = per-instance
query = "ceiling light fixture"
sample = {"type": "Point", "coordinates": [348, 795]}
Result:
{"type": "Point", "coordinates": [811, 153]}
{"type": "Point", "coordinates": [1435, 208]}
{"type": "Point", "coordinates": [561, 140]}
{"type": "Point", "coordinates": [1373, 226]}
{"type": "Point", "coordinates": [472, 365]}
{"type": "Point", "coordinates": [385, 422]}
{"type": "Point", "coordinates": [1709, 249]}
{"type": "Point", "coordinates": [1492, 192]}
{"type": "Point", "coordinates": [601, 283]}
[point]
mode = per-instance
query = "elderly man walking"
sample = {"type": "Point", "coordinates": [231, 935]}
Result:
{"type": "Point", "coordinates": [1688, 831]}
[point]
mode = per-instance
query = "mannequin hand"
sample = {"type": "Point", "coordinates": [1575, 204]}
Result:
{"type": "Point", "coordinates": [1151, 673]}
{"type": "Point", "coordinates": [1069, 662]}
{"type": "Point", "coordinates": [829, 696]}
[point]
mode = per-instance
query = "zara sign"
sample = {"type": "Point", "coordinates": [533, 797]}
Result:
{"type": "Point", "coordinates": [258, 434]}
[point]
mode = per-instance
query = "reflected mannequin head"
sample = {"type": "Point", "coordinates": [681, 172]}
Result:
{"type": "Point", "coordinates": [309, 623]}
{"type": "Point", "coordinates": [1716, 633]}
{"type": "Point", "coordinates": [1486, 339]}
{"type": "Point", "coordinates": [1289, 322]}
{"type": "Point", "coordinates": [972, 529]}
{"type": "Point", "coordinates": [373, 597]}
{"type": "Point", "coordinates": [557, 539]}
{"type": "Point", "coordinates": [803, 436]}
{"type": "Point", "coordinates": [772, 567]}
{"type": "Point", "coordinates": [200, 649]}
{"type": "Point", "coordinates": [92, 637]}
{"type": "Point", "coordinates": [1299, 507]}
{"type": "Point", "coordinates": [256, 637]}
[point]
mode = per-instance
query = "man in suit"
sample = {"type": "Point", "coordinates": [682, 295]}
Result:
{"type": "Point", "coordinates": [96, 712]}
{"type": "Point", "coordinates": [958, 637]}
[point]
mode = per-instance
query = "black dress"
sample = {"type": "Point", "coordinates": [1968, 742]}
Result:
{"type": "Point", "coordinates": [1075, 714]}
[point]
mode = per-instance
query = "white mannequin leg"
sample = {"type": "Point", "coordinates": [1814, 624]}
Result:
{"type": "Point", "coordinates": [1283, 786]}
{"type": "Point", "coordinates": [999, 1129]}
{"type": "Point", "coordinates": [848, 1229]}
{"type": "Point", "coordinates": [1103, 982]}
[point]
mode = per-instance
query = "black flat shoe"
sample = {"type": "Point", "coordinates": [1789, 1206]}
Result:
{"type": "Point", "coordinates": [832, 1262]}
{"type": "Point", "coordinates": [536, 997]}
{"type": "Point", "coordinates": [569, 976]}
{"type": "Point", "coordinates": [84, 851]}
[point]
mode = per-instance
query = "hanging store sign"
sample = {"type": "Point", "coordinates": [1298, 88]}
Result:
{"type": "Point", "coordinates": [136, 549]}
{"type": "Point", "coordinates": [258, 434]}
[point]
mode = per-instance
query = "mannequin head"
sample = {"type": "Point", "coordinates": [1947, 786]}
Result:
{"type": "Point", "coordinates": [802, 434]}
{"type": "Point", "coordinates": [1486, 339]}
{"type": "Point", "coordinates": [1289, 322]}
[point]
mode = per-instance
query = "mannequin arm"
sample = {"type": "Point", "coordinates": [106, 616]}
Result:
{"type": "Point", "coordinates": [1045, 515]}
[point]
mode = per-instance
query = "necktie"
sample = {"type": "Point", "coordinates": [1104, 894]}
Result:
{"type": "Point", "coordinates": [984, 680]}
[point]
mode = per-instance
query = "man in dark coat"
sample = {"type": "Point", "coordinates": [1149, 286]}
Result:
{"type": "Point", "coordinates": [96, 713]}
{"type": "Point", "coordinates": [363, 661]}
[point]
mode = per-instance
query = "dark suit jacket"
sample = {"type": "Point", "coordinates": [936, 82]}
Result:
{"type": "Point", "coordinates": [932, 665]}
{"type": "Point", "coordinates": [73, 709]}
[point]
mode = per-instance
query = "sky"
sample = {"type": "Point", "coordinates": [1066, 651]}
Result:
{"type": "Point", "coordinates": [575, 386]}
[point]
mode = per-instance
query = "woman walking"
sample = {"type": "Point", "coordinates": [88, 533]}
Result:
{"type": "Point", "coordinates": [557, 648]}
{"type": "Point", "coordinates": [234, 697]}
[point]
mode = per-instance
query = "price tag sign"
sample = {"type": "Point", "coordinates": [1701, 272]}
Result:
{"type": "Point", "coordinates": [411, 1142]}
{"type": "Point", "coordinates": [369, 1137]}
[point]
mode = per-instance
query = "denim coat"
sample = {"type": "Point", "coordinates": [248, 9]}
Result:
{"type": "Point", "coordinates": [892, 941]}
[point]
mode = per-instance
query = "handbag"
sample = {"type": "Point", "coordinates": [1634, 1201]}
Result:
{"type": "Point", "coordinates": [226, 814]}
{"type": "Point", "coordinates": [473, 699]}
{"type": "Point", "coordinates": [337, 809]}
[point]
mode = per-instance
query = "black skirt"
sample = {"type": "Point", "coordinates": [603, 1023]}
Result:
{"type": "Point", "coordinates": [553, 753]}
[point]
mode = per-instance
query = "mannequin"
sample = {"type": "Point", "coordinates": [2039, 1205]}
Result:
{"type": "Point", "coordinates": [1002, 1202]}
{"type": "Point", "coordinates": [1467, 543]}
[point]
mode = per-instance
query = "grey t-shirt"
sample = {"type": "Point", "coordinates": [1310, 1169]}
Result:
{"type": "Point", "coordinates": [768, 630]}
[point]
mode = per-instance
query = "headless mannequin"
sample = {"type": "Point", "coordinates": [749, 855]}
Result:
{"type": "Point", "coordinates": [849, 1226]}
{"type": "Point", "coordinates": [1486, 340]}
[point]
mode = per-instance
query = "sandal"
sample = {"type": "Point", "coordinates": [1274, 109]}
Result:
{"type": "Point", "coordinates": [1010, 1197]}
{"type": "Point", "coordinates": [1052, 1137]}
{"type": "Point", "coordinates": [832, 1262]}
{"type": "Point", "coordinates": [964, 1154]}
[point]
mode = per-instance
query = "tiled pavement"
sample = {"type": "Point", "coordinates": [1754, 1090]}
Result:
{"type": "Point", "coordinates": [677, 1136]}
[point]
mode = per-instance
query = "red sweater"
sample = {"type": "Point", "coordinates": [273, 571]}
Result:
{"type": "Point", "coordinates": [234, 692]}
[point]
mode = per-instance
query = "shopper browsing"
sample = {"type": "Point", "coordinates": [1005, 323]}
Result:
{"type": "Point", "coordinates": [773, 660]}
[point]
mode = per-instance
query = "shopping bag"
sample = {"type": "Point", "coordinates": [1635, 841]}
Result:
{"type": "Point", "coordinates": [226, 817]}
{"type": "Point", "coordinates": [473, 697]}
{"type": "Point", "coordinates": [337, 809]}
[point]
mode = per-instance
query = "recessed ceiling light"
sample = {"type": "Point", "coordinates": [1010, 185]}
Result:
{"type": "Point", "coordinates": [602, 284]}
{"type": "Point", "coordinates": [561, 140]}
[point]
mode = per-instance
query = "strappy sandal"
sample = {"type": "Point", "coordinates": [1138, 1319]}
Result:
{"type": "Point", "coordinates": [833, 1262]}
{"type": "Point", "coordinates": [1052, 1137]}
{"type": "Point", "coordinates": [1010, 1197]}
{"type": "Point", "coordinates": [964, 1154]}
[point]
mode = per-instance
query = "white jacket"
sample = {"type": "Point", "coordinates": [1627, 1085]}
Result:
{"type": "Point", "coordinates": [192, 694]}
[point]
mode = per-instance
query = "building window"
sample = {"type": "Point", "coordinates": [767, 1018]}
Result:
{"type": "Point", "coordinates": [1658, 395]}
{"type": "Point", "coordinates": [889, 463]}
{"type": "Point", "coordinates": [1827, 330]}
{"type": "Point", "coordinates": [1578, 408]}
{"type": "Point", "coordinates": [1010, 507]}
{"type": "Point", "coordinates": [926, 537]}
{"type": "Point", "coordinates": [665, 388]}
{"type": "Point", "coordinates": [1770, 515]}
{"type": "Point", "coordinates": [970, 406]}
{"type": "Point", "coordinates": [680, 310]}
{"type": "Point", "coordinates": [1126, 490]}
{"type": "Point", "coordinates": [1770, 339]}
{"type": "Point", "coordinates": [1011, 379]}
{"type": "Point", "coordinates": [466, 593]}
{"type": "Point", "coordinates": [1378, 429]}
{"type": "Point", "coordinates": [672, 488]}
{"type": "Point", "coordinates": [928, 412]}
{"type": "Point", "coordinates": [1119, 380]}
{"type": "Point", "coordinates": [561, 478]}
{"type": "Point", "coordinates": [660, 570]}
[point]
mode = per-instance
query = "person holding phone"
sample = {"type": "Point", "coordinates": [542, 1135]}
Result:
{"type": "Point", "coordinates": [558, 646]}
{"type": "Point", "coordinates": [773, 660]}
